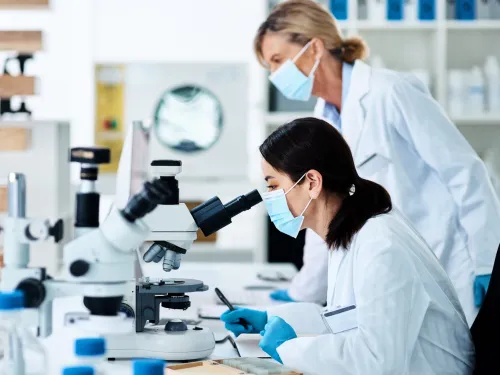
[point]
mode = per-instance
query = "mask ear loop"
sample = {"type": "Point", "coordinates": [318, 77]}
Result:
{"type": "Point", "coordinates": [301, 52]}
{"type": "Point", "coordinates": [310, 200]}
{"type": "Point", "coordinates": [300, 179]}
{"type": "Point", "coordinates": [315, 66]}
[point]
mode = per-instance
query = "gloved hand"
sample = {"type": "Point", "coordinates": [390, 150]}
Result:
{"type": "Point", "coordinates": [281, 295]}
{"type": "Point", "coordinates": [481, 284]}
{"type": "Point", "coordinates": [256, 320]}
{"type": "Point", "coordinates": [275, 333]}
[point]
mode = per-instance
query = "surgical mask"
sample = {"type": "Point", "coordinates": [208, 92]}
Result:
{"type": "Point", "coordinates": [280, 214]}
{"type": "Point", "coordinates": [291, 82]}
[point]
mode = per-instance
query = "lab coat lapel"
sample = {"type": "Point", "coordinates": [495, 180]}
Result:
{"type": "Point", "coordinates": [353, 110]}
{"type": "Point", "coordinates": [335, 260]}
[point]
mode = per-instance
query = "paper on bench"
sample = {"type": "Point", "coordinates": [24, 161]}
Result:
{"type": "Point", "coordinates": [248, 346]}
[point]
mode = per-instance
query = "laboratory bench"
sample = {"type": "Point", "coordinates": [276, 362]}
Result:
{"type": "Point", "coordinates": [226, 276]}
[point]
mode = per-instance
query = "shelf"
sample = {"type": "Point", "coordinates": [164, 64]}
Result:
{"type": "Point", "coordinates": [24, 4]}
{"type": "Point", "coordinates": [281, 118]}
{"type": "Point", "coordinates": [394, 25]}
{"type": "Point", "coordinates": [486, 120]}
{"type": "Point", "coordinates": [19, 85]}
{"type": "Point", "coordinates": [473, 25]}
{"type": "Point", "coordinates": [21, 41]}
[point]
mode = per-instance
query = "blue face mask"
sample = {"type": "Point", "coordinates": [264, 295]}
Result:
{"type": "Point", "coordinates": [291, 82]}
{"type": "Point", "coordinates": [280, 214]}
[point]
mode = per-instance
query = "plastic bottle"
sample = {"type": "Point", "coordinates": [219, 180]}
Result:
{"type": "Point", "coordinates": [339, 9]}
{"type": "Point", "coordinates": [466, 10]}
{"type": "Point", "coordinates": [376, 10]}
{"type": "Point", "coordinates": [148, 367]}
{"type": "Point", "coordinates": [395, 9]}
{"type": "Point", "coordinates": [426, 10]}
{"type": "Point", "coordinates": [362, 10]}
{"type": "Point", "coordinates": [475, 92]}
{"type": "Point", "coordinates": [451, 9]}
{"type": "Point", "coordinates": [495, 9]}
{"type": "Point", "coordinates": [456, 92]}
{"type": "Point", "coordinates": [22, 353]}
{"type": "Point", "coordinates": [483, 9]}
{"type": "Point", "coordinates": [492, 72]}
{"type": "Point", "coordinates": [411, 10]}
{"type": "Point", "coordinates": [78, 370]}
{"type": "Point", "coordinates": [91, 352]}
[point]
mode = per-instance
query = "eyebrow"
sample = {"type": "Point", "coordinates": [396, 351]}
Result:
{"type": "Point", "coordinates": [268, 178]}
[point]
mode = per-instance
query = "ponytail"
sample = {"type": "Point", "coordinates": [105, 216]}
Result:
{"type": "Point", "coordinates": [369, 200]}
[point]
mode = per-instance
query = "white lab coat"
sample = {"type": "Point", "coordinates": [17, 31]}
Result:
{"type": "Point", "coordinates": [401, 138]}
{"type": "Point", "coordinates": [409, 319]}
{"type": "Point", "coordinates": [310, 284]}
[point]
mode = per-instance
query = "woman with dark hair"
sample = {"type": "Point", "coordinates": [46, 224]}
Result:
{"type": "Point", "coordinates": [391, 309]}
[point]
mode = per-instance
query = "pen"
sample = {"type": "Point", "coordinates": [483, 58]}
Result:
{"type": "Point", "coordinates": [224, 300]}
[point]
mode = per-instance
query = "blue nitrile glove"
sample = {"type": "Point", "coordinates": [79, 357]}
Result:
{"type": "Point", "coordinates": [276, 332]}
{"type": "Point", "coordinates": [256, 320]}
{"type": "Point", "coordinates": [481, 284]}
{"type": "Point", "coordinates": [281, 295]}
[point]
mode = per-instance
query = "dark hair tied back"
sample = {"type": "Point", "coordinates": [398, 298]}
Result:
{"type": "Point", "coordinates": [312, 144]}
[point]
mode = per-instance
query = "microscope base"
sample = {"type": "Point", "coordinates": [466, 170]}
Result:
{"type": "Point", "coordinates": [193, 344]}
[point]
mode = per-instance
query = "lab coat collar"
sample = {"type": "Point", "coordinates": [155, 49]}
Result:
{"type": "Point", "coordinates": [353, 110]}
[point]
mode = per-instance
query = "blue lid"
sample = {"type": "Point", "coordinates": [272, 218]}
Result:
{"type": "Point", "coordinates": [149, 367]}
{"type": "Point", "coordinates": [12, 300]}
{"type": "Point", "coordinates": [78, 370]}
{"type": "Point", "coordinates": [94, 346]}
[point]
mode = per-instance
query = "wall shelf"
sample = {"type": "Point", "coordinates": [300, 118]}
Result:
{"type": "Point", "coordinates": [393, 25]}
{"type": "Point", "coordinates": [473, 25]}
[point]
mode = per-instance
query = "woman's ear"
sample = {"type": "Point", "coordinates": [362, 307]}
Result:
{"type": "Point", "coordinates": [315, 181]}
{"type": "Point", "coordinates": [317, 48]}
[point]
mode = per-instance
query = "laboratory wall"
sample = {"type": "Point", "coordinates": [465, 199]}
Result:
{"type": "Point", "coordinates": [106, 63]}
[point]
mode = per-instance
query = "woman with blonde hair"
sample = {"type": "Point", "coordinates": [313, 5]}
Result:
{"type": "Point", "coordinates": [400, 137]}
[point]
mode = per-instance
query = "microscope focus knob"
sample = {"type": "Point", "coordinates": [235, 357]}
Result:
{"type": "Point", "coordinates": [127, 310]}
{"type": "Point", "coordinates": [34, 292]}
{"type": "Point", "coordinates": [79, 268]}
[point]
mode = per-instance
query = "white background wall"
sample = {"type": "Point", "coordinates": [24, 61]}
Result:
{"type": "Point", "coordinates": [77, 34]}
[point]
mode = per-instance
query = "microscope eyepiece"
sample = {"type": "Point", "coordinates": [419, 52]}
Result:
{"type": "Point", "coordinates": [212, 215]}
{"type": "Point", "coordinates": [154, 193]}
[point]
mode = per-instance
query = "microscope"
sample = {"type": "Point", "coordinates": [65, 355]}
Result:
{"type": "Point", "coordinates": [100, 265]}
{"type": "Point", "coordinates": [88, 199]}
{"type": "Point", "coordinates": [173, 230]}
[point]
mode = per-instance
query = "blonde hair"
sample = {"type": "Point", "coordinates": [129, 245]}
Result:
{"type": "Point", "coordinates": [302, 20]}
